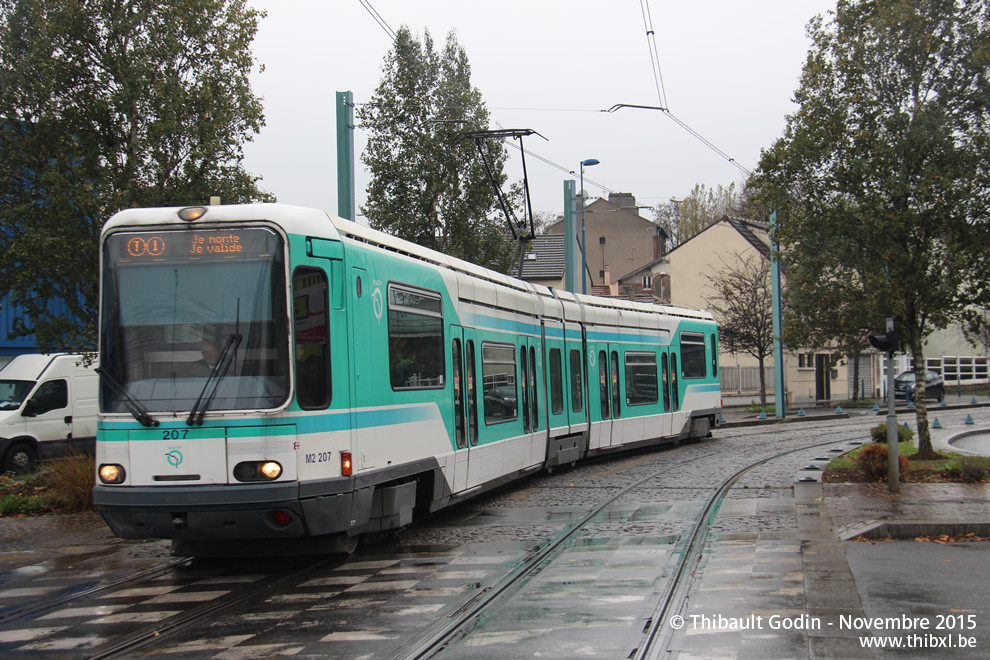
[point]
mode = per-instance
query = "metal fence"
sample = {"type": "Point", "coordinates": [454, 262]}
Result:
{"type": "Point", "coordinates": [744, 379]}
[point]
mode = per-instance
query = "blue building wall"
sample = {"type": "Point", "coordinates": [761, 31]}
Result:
{"type": "Point", "coordinates": [19, 345]}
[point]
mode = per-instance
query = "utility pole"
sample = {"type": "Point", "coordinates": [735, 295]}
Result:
{"type": "Point", "coordinates": [889, 343]}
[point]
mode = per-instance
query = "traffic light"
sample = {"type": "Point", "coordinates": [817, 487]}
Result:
{"type": "Point", "coordinates": [887, 342]}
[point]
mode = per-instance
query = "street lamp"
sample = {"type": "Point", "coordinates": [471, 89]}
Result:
{"type": "Point", "coordinates": [584, 249]}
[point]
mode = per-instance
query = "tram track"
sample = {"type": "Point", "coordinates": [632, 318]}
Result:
{"type": "Point", "coordinates": [679, 475]}
{"type": "Point", "coordinates": [40, 608]}
{"type": "Point", "coordinates": [209, 610]}
{"type": "Point", "coordinates": [657, 631]}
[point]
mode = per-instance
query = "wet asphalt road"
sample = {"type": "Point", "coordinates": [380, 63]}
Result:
{"type": "Point", "coordinates": [591, 602]}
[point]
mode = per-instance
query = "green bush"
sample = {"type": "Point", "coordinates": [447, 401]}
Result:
{"type": "Point", "coordinates": [873, 461]}
{"type": "Point", "coordinates": [879, 433]}
{"type": "Point", "coordinates": [968, 471]}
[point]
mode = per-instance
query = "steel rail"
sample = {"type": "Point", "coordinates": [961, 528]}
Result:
{"type": "Point", "coordinates": [658, 631]}
{"type": "Point", "coordinates": [434, 640]}
{"type": "Point", "coordinates": [36, 609]}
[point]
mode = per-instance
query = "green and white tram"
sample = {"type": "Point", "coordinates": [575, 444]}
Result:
{"type": "Point", "coordinates": [271, 372]}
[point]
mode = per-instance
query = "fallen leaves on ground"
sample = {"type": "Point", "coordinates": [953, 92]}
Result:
{"type": "Point", "coordinates": [943, 539]}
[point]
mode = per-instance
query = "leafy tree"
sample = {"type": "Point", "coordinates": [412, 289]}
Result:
{"type": "Point", "coordinates": [110, 104]}
{"type": "Point", "coordinates": [703, 208]}
{"type": "Point", "coordinates": [667, 216]}
{"type": "Point", "coordinates": [815, 284]}
{"type": "Point", "coordinates": [742, 304]}
{"type": "Point", "coordinates": [881, 172]}
{"type": "Point", "coordinates": [429, 184]}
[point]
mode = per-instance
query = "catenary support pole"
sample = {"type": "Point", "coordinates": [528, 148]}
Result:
{"type": "Point", "coordinates": [346, 204]}
{"type": "Point", "coordinates": [571, 268]}
{"type": "Point", "coordinates": [780, 396]}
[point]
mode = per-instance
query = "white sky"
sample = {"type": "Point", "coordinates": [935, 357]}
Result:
{"type": "Point", "coordinates": [729, 70]}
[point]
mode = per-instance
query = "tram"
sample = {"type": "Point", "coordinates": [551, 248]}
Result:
{"type": "Point", "coordinates": [275, 375]}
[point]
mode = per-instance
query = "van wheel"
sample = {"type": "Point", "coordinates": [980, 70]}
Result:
{"type": "Point", "coordinates": [19, 458]}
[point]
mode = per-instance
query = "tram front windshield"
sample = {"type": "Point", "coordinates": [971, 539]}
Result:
{"type": "Point", "coordinates": [180, 305]}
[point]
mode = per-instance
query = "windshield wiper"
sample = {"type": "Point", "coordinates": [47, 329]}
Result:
{"type": "Point", "coordinates": [135, 407]}
{"type": "Point", "coordinates": [213, 380]}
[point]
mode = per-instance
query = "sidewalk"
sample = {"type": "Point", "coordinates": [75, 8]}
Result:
{"type": "Point", "coordinates": [816, 588]}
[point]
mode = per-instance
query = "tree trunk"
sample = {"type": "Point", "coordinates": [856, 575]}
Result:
{"type": "Point", "coordinates": [855, 361]}
{"type": "Point", "coordinates": [925, 449]}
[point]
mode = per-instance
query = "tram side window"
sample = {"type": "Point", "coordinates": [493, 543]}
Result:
{"type": "Point", "coordinates": [641, 379]}
{"type": "Point", "coordinates": [525, 389]}
{"type": "Point", "coordinates": [693, 362]}
{"type": "Point", "coordinates": [472, 394]}
{"type": "Point", "coordinates": [309, 313]}
{"type": "Point", "coordinates": [577, 386]}
{"type": "Point", "coordinates": [666, 383]}
{"type": "Point", "coordinates": [603, 383]}
{"type": "Point", "coordinates": [534, 393]}
{"type": "Point", "coordinates": [556, 383]}
{"type": "Point", "coordinates": [498, 375]}
{"type": "Point", "coordinates": [616, 395]}
{"type": "Point", "coordinates": [415, 338]}
{"type": "Point", "coordinates": [714, 356]}
{"type": "Point", "coordinates": [455, 357]}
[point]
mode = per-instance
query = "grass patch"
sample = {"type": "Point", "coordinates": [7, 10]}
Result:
{"type": "Point", "coordinates": [22, 497]}
{"type": "Point", "coordinates": [63, 485]}
{"type": "Point", "coordinates": [954, 467]}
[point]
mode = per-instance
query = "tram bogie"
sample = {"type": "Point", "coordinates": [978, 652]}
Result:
{"type": "Point", "coordinates": [274, 373]}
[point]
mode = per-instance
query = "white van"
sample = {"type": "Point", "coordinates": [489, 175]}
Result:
{"type": "Point", "coordinates": [48, 406]}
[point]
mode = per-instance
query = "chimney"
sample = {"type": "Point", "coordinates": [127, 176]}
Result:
{"type": "Point", "coordinates": [622, 199]}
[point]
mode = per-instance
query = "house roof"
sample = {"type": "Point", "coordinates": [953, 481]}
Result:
{"type": "Point", "coordinates": [746, 228]}
{"type": "Point", "coordinates": [544, 259]}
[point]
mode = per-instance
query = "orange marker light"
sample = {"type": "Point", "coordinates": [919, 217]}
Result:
{"type": "Point", "coordinates": [345, 463]}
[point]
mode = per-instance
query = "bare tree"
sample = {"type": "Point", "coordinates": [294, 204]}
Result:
{"type": "Point", "coordinates": [742, 306]}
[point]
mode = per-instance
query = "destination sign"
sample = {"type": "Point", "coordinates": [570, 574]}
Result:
{"type": "Point", "coordinates": [194, 244]}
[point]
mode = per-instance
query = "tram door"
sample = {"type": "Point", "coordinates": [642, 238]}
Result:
{"type": "Point", "coordinates": [669, 384]}
{"type": "Point", "coordinates": [366, 301]}
{"type": "Point", "coordinates": [463, 352]}
{"type": "Point", "coordinates": [605, 399]}
{"type": "Point", "coordinates": [532, 404]}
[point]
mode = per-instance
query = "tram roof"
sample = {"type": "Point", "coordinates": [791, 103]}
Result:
{"type": "Point", "coordinates": [294, 219]}
{"type": "Point", "coordinates": [313, 222]}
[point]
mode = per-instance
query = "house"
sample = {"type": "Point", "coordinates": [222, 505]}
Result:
{"type": "Point", "coordinates": [619, 239]}
{"type": "Point", "coordinates": [543, 262]}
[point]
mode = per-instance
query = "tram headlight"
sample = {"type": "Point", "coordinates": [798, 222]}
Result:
{"type": "Point", "coordinates": [112, 474]}
{"type": "Point", "coordinates": [258, 471]}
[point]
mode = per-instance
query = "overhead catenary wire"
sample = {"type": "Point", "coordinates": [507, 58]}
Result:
{"type": "Point", "coordinates": [662, 93]}
{"type": "Point", "coordinates": [378, 19]}
{"type": "Point", "coordinates": [651, 42]}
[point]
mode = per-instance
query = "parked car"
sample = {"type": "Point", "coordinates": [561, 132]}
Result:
{"type": "Point", "coordinates": [500, 402]}
{"type": "Point", "coordinates": [905, 386]}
